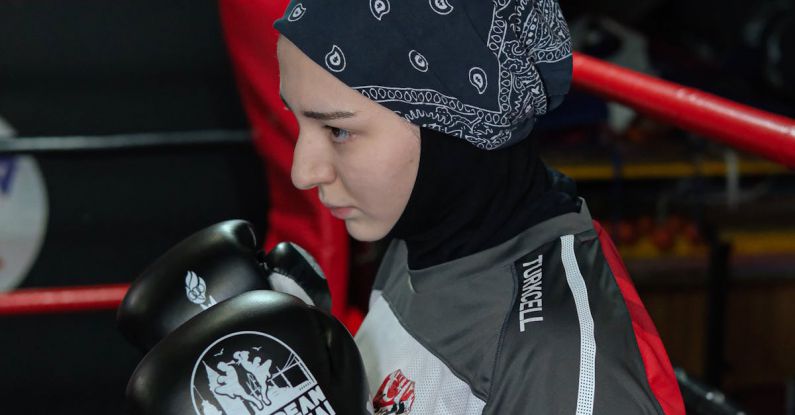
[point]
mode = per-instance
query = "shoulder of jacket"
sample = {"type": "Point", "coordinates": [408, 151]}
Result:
{"type": "Point", "coordinates": [541, 280]}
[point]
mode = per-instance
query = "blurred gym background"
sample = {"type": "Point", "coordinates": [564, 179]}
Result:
{"type": "Point", "coordinates": [707, 232]}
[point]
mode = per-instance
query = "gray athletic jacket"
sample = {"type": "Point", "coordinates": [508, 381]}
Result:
{"type": "Point", "coordinates": [545, 323]}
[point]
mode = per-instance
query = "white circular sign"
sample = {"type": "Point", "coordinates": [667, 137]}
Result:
{"type": "Point", "coordinates": [23, 217]}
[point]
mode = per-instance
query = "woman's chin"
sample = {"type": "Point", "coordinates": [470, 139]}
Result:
{"type": "Point", "coordinates": [365, 232]}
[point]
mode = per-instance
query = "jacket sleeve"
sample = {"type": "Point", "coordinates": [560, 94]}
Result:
{"type": "Point", "coordinates": [571, 345]}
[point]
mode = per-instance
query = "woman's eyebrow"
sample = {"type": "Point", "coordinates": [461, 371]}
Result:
{"type": "Point", "coordinates": [328, 116]}
{"type": "Point", "coordinates": [322, 116]}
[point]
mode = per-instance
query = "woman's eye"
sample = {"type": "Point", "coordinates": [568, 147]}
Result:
{"type": "Point", "coordinates": [339, 135]}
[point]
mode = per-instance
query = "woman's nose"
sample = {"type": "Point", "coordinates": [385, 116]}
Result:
{"type": "Point", "coordinates": [312, 165]}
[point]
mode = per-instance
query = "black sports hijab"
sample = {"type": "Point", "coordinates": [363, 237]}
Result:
{"type": "Point", "coordinates": [466, 200]}
{"type": "Point", "coordinates": [475, 75]}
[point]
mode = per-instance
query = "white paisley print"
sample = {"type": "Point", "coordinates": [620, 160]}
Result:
{"type": "Point", "coordinates": [544, 38]}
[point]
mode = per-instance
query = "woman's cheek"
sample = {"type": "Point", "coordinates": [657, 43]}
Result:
{"type": "Point", "coordinates": [379, 199]}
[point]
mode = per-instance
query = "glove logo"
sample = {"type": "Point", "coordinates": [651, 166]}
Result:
{"type": "Point", "coordinates": [196, 291]}
{"type": "Point", "coordinates": [395, 396]}
{"type": "Point", "coordinates": [252, 373]}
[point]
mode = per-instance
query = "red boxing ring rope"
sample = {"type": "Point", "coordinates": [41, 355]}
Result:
{"type": "Point", "coordinates": [62, 300]}
{"type": "Point", "coordinates": [740, 126]}
{"type": "Point", "coordinates": [746, 128]}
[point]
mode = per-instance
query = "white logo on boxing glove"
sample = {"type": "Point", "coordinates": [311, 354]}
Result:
{"type": "Point", "coordinates": [196, 291]}
{"type": "Point", "coordinates": [253, 373]}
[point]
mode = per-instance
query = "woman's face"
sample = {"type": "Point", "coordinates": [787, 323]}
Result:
{"type": "Point", "coordinates": [362, 157]}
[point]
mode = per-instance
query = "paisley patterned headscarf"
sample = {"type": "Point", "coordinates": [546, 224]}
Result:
{"type": "Point", "coordinates": [479, 70]}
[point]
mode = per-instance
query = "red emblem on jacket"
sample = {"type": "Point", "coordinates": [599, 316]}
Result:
{"type": "Point", "coordinates": [395, 396]}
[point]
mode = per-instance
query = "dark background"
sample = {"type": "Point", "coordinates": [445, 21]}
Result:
{"type": "Point", "coordinates": [91, 68]}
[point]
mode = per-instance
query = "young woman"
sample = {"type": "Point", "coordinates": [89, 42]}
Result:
{"type": "Point", "coordinates": [498, 294]}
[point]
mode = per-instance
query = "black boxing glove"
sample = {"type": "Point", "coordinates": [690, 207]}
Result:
{"type": "Point", "coordinates": [210, 266]}
{"type": "Point", "coordinates": [262, 352]}
{"type": "Point", "coordinates": [293, 271]}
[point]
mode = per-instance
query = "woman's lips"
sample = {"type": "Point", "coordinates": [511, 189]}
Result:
{"type": "Point", "coordinates": [341, 212]}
